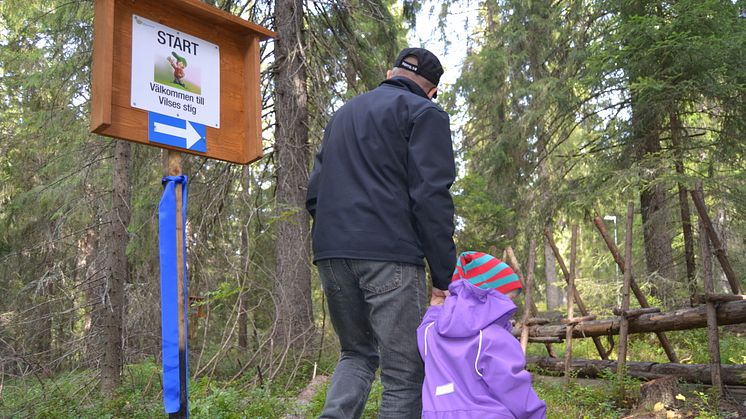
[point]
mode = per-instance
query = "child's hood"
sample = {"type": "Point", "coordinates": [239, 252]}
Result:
{"type": "Point", "coordinates": [469, 309]}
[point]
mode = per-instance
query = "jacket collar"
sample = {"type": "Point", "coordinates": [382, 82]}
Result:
{"type": "Point", "coordinates": [405, 83]}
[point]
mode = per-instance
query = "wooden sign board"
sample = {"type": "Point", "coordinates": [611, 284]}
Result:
{"type": "Point", "coordinates": [178, 74]}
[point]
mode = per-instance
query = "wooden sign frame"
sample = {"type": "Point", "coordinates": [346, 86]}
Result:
{"type": "Point", "coordinates": [239, 138]}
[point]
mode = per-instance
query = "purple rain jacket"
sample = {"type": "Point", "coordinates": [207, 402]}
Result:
{"type": "Point", "coordinates": [474, 367]}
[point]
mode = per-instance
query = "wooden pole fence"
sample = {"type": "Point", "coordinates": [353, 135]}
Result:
{"type": "Point", "coordinates": [732, 312]}
{"type": "Point", "coordinates": [581, 306]}
{"type": "Point", "coordinates": [570, 293]}
{"type": "Point", "coordinates": [641, 298]}
{"type": "Point", "coordinates": [624, 326]}
{"type": "Point", "coordinates": [699, 203]}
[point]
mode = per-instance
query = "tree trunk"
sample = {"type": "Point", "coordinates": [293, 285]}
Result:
{"type": "Point", "coordinates": [646, 147]}
{"type": "Point", "coordinates": [686, 219]}
{"type": "Point", "coordinates": [292, 292]}
{"type": "Point", "coordinates": [243, 300]}
{"type": "Point", "coordinates": [658, 254]}
{"type": "Point", "coordinates": [721, 228]}
{"type": "Point", "coordinates": [554, 293]}
{"type": "Point", "coordinates": [118, 270]}
{"type": "Point", "coordinates": [93, 285]}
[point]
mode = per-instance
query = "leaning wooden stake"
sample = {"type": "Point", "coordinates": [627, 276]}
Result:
{"type": "Point", "coordinates": [624, 326]}
{"type": "Point", "coordinates": [513, 261]}
{"type": "Point", "coordinates": [570, 303]}
{"type": "Point", "coordinates": [529, 288]}
{"type": "Point", "coordinates": [530, 308]}
{"type": "Point", "coordinates": [667, 347]}
{"type": "Point", "coordinates": [173, 168]}
{"type": "Point", "coordinates": [596, 341]}
{"type": "Point", "coordinates": [699, 202]}
{"type": "Point", "coordinates": [713, 340]}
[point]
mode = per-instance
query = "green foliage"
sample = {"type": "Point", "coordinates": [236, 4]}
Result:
{"type": "Point", "coordinates": [692, 346]}
{"type": "Point", "coordinates": [210, 399]}
{"type": "Point", "coordinates": [577, 401]}
{"type": "Point", "coordinates": [549, 96]}
{"type": "Point", "coordinates": [480, 211]}
{"type": "Point", "coordinates": [75, 395]}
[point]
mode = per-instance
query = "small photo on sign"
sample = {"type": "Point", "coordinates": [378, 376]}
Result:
{"type": "Point", "coordinates": [175, 71]}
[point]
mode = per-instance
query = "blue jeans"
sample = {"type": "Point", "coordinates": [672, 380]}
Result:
{"type": "Point", "coordinates": [375, 308]}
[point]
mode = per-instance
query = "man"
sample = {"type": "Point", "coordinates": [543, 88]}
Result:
{"type": "Point", "coordinates": [379, 196]}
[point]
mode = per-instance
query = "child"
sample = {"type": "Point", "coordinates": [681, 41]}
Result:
{"type": "Point", "coordinates": [474, 367]}
{"type": "Point", "coordinates": [179, 64]}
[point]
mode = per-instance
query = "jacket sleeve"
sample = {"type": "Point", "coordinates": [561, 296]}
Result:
{"type": "Point", "coordinates": [430, 315]}
{"type": "Point", "coordinates": [313, 184]}
{"type": "Point", "coordinates": [431, 171]}
{"type": "Point", "coordinates": [502, 367]}
{"type": "Point", "coordinates": [312, 193]}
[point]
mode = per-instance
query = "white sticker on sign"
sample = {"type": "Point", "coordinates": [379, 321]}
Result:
{"type": "Point", "coordinates": [174, 73]}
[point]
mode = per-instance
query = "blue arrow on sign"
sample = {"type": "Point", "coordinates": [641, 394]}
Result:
{"type": "Point", "coordinates": [176, 132]}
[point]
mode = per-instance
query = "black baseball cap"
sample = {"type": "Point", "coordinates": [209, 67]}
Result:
{"type": "Point", "coordinates": [428, 65]}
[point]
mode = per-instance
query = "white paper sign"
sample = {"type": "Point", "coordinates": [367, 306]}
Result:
{"type": "Point", "coordinates": [174, 73]}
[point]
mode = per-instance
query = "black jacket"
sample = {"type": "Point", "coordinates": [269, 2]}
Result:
{"type": "Point", "coordinates": [379, 189]}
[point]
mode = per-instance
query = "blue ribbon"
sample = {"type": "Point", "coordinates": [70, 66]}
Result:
{"type": "Point", "coordinates": [169, 295]}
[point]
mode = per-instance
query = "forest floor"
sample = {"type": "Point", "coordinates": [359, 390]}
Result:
{"type": "Point", "coordinates": [74, 395]}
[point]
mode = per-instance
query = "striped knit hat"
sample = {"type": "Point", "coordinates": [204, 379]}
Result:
{"type": "Point", "coordinates": [486, 272]}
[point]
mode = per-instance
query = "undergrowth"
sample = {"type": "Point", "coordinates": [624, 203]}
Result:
{"type": "Point", "coordinates": [76, 394]}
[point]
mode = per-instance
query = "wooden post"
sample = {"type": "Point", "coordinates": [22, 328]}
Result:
{"type": "Point", "coordinates": [686, 217]}
{"type": "Point", "coordinates": [624, 326]}
{"type": "Point", "coordinates": [173, 168]}
{"type": "Point", "coordinates": [713, 340]}
{"type": "Point", "coordinates": [699, 202]}
{"type": "Point", "coordinates": [530, 307]}
{"type": "Point", "coordinates": [667, 347]}
{"type": "Point", "coordinates": [578, 300]}
{"type": "Point", "coordinates": [570, 294]}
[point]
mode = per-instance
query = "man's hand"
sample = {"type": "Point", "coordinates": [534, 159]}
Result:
{"type": "Point", "coordinates": [437, 297]}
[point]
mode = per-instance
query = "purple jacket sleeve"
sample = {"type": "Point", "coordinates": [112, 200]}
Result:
{"type": "Point", "coordinates": [432, 171]}
{"type": "Point", "coordinates": [502, 364]}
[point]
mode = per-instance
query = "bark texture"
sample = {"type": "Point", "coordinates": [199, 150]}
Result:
{"type": "Point", "coordinates": [686, 219]}
{"type": "Point", "coordinates": [118, 270]}
{"type": "Point", "coordinates": [292, 291]}
{"type": "Point", "coordinates": [645, 146]}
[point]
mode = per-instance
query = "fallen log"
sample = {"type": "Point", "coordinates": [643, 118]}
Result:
{"type": "Point", "coordinates": [732, 312]}
{"type": "Point", "coordinates": [690, 373]}
{"type": "Point", "coordinates": [635, 312]}
{"type": "Point", "coordinates": [718, 298]}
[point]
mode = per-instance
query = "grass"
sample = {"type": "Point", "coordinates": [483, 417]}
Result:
{"type": "Point", "coordinates": [75, 394]}
{"type": "Point", "coordinates": [578, 401]}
